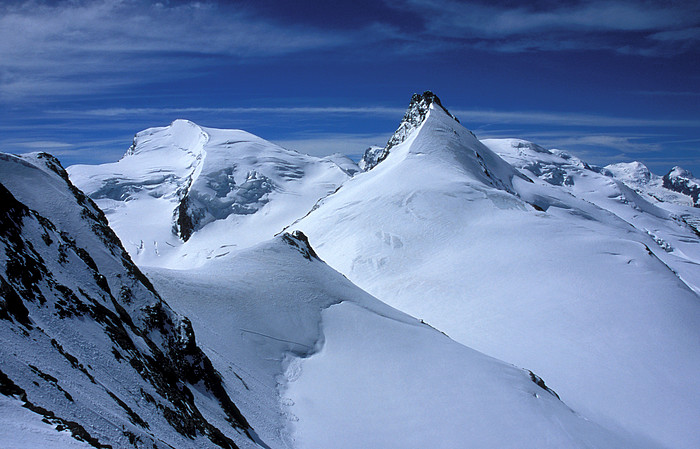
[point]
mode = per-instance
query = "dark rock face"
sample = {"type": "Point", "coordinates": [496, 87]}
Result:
{"type": "Point", "coordinates": [300, 241]}
{"type": "Point", "coordinates": [22, 268]}
{"type": "Point", "coordinates": [103, 331]}
{"type": "Point", "coordinates": [370, 158]}
{"type": "Point", "coordinates": [412, 119]}
{"type": "Point", "coordinates": [197, 209]}
{"type": "Point", "coordinates": [540, 383]}
{"type": "Point", "coordinates": [682, 181]}
{"type": "Point", "coordinates": [552, 173]}
{"type": "Point", "coordinates": [185, 220]}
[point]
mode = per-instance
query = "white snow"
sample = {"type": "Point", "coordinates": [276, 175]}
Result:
{"type": "Point", "coordinates": [245, 188]}
{"type": "Point", "coordinates": [326, 365]}
{"type": "Point", "coordinates": [571, 293]}
{"type": "Point", "coordinates": [638, 177]}
{"type": "Point", "coordinates": [379, 382]}
{"type": "Point", "coordinates": [21, 428]}
{"type": "Point", "coordinates": [625, 192]}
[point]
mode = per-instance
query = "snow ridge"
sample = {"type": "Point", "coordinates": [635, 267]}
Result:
{"type": "Point", "coordinates": [87, 341]}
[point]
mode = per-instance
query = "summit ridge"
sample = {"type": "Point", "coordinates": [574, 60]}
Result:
{"type": "Point", "coordinates": [415, 115]}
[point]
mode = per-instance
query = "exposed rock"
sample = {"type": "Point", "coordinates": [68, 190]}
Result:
{"type": "Point", "coordinates": [415, 115]}
{"type": "Point", "coordinates": [300, 241]}
{"type": "Point", "coordinates": [682, 181]}
{"type": "Point", "coordinates": [57, 275]}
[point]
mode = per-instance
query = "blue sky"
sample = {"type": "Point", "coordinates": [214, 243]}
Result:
{"type": "Point", "coordinates": [607, 80]}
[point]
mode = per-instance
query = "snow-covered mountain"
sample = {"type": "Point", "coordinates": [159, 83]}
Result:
{"type": "Point", "coordinates": [181, 186]}
{"type": "Point", "coordinates": [89, 349]}
{"type": "Point", "coordinates": [588, 276]}
{"type": "Point", "coordinates": [655, 189]}
{"type": "Point", "coordinates": [677, 187]}
{"type": "Point", "coordinates": [538, 259]}
{"type": "Point", "coordinates": [682, 181]}
{"type": "Point", "coordinates": [314, 360]}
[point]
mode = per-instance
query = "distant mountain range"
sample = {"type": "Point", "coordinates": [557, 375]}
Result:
{"type": "Point", "coordinates": [443, 292]}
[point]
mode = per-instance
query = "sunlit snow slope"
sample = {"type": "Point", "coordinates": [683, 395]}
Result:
{"type": "Point", "coordinates": [183, 191]}
{"type": "Point", "coordinates": [576, 288]}
{"type": "Point", "coordinates": [622, 189]}
{"type": "Point", "coordinates": [326, 365]}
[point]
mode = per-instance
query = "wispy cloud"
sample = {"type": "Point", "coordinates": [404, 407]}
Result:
{"type": "Point", "coordinates": [500, 21]}
{"type": "Point", "coordinates": [340, 110]}
{"type": "Point", "coordinates": [56, 47]}
{"type": "Point", "coordinates": [97, 150]}
{"type": "Point", "coordinates": [43, 144]}
{"type": "Point", "coordinates": [685, 34]}
{"type": "Point", "coordinates": [567, 26]}
{"type": "Point", "coordinates": [619, 143]}
{"type": "Point", "coordinates": [567, 119]}
{"type": "Point", "coordinates": [475, 117]}
{"type": "Point", "coordinates": [693, 148]}
{"type": "Point", "coordinates": [82, 47]}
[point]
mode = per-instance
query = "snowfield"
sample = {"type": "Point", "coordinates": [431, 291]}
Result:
{"type": "Point", "coordinates": [326, 365]}
{"type": "Point", "coordinates": [629, 191]}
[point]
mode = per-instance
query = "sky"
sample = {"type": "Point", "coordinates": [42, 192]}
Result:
{"type": "Point", "coordinates": [608, 81]}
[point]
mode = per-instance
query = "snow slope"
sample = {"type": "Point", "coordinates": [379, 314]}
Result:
{"type": "Point", "coordinates": [88, 344]}
{"type": "Point", "coordinates": [20, 428]}
{"type": "Point", "coordinates": [181, 186]}
{"type": "Point", "coordinates": [327, 365]}
{"type": "Point", "coordinates": [570, 180]}
{"type": "Point", "coordinates": [446, 230]}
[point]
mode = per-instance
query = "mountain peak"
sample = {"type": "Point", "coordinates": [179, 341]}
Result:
{"type": "Point", "coordinates": [183, 135]}
{"type": "Point", "coordinates": [634, 172]}
{"type": "Point", "coordinates": [682, 181]}
{"type": "Point", "coordinates": [678, 171]}
{"type": "Point", "coordinates": [423, 101]}
{"type": "Point", "coordinates": [415, 115]}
